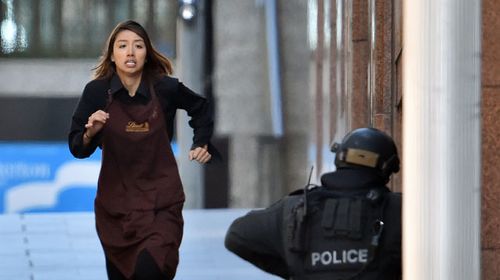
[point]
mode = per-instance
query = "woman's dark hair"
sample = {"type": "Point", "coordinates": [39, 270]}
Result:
{"type": "Point", "coordinates": [156, 63]}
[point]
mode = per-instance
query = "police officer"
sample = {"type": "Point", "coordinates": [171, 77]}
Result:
{"type": "Point", "coordinates": [347, 228]}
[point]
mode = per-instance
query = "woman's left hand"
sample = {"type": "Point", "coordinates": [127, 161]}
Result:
{"type": "Point", "coordinates": [200, 154]}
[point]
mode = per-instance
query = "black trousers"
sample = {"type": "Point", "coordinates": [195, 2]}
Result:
{"type": "Point", "coordinates": [145, 269]}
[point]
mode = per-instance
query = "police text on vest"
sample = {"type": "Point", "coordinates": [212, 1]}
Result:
{"type": "Point", "coordinates": [351, 256]}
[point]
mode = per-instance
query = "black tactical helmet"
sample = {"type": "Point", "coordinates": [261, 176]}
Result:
{"type": "Point", "coordinates": [367, 147]}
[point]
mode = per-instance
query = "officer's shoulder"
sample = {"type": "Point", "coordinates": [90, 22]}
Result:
{"type": "Point", "coordinates": [312, 188]}
{"type": "Point", "coordinates": [395, 195]}
{"type": "Point", "coordinates": [296, 192]}
{"type": "Point", "coordinates": [394, 200]}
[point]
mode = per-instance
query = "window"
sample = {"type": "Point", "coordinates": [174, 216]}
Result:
{"type": "Point", "coordinates": [79, 29]}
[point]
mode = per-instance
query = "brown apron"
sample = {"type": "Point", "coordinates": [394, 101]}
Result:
{"type": "Point", "coordinates": [139, 196]}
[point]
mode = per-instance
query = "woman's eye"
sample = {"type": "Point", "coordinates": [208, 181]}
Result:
{"type": "Point", "coordinates": [140, 46]}
{"type": "Point", "coordinates": [121, 46]}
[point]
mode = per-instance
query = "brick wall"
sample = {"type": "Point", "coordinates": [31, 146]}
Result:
{"type": "Point", "coordinates": [490, 106]}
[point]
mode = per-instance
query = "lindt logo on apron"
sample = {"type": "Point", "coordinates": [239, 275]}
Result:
{"type": "Point", "coordinates": [137, 127]}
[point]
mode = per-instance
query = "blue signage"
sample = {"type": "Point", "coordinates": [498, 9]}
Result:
{"type": "Point", "coordinates": [45, 177]}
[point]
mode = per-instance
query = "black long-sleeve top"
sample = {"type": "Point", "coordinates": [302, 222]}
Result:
{"type": "Point", "coordinates": [171, 93]}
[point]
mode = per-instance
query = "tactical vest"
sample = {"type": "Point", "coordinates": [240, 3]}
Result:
{"type": "Point", "coordinates": [331, 235]}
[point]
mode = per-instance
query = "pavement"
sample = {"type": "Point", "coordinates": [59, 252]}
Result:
{"type": "Point", "coordinates": [62, 246]}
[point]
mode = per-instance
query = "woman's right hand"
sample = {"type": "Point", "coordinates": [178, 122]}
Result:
{"type": "Point", "coordinates": [95, 123]}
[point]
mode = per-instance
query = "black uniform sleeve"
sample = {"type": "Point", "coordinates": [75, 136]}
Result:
{"type": "Point", "coordinates": [391, 247]}
{"type": "Point", "coordinates": [201, 112]}
{"type": "Point", "coordinates": [90, 101]}
{"type": "Point", "coordinates": [257, 238]}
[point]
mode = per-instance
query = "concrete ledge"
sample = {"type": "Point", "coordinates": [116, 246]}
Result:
{"type": "Point", "coordinates": [45, 77]}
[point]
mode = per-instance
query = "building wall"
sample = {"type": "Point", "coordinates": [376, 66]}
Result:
{"type": "Point", "coordinates": [389, 51]}
{"type": "Point", "coordinates": [490, 140]}
{"type": "Point", "coordinates": [41, 94]}
{"type": "Point", "coordinates": [362, 77]}
{"type": "Point", "coordinates": [376, 73]}
{"type": "Point", "coordinates": [375, 64]}
{"type": "Point", "coordinates": [262, 166]}
{"type": "Point", "coordinates": [241, 91]}
{"type": "Point", "coordinates": [295, 77]}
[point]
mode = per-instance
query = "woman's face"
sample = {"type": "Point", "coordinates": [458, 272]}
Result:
{"type": "Point", "coordinates": [129, 53]}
